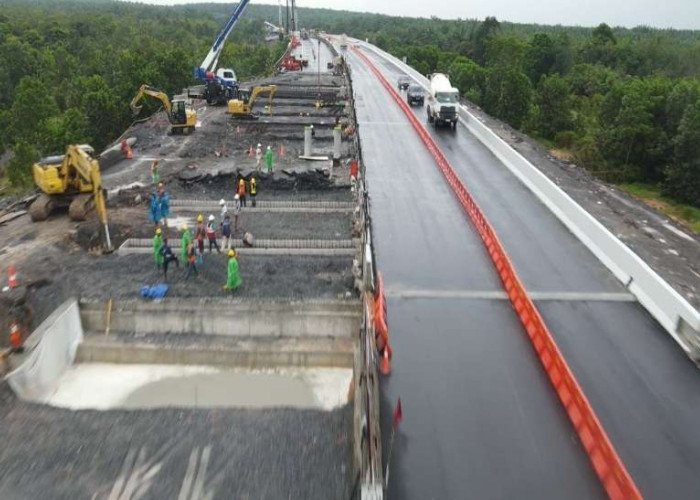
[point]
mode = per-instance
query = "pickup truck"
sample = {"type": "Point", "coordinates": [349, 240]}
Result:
{"type": "Point", "coordinates": [404, 82]}
{"type": "Point", "coordinates": [415, 95]}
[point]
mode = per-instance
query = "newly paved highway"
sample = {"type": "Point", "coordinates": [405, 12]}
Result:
{"type": "Point", "coordinates": [480, 418]}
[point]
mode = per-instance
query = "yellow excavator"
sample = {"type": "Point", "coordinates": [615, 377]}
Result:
{"type": "Point", "coordinates": [243, 106]}
{"type": "Point", "coordinates": [181, 114]}
{"type": "Point", "coordinates": [72, 180]}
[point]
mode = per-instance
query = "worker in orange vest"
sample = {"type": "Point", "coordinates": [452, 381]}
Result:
{"type": "Point", "coordinates": [253, 189]}
{"type": "Point", "coordinates": [240, 191]}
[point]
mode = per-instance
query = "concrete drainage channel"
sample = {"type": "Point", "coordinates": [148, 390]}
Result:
{"type": "Point", "coordinates": [207, 353]}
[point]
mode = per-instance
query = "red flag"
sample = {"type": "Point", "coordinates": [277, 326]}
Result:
{"type": "Point", "coordinates": [398, 415]}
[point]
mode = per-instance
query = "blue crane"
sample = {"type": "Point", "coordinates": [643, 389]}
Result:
{"type": "Point", "coordinates": [221, 85]}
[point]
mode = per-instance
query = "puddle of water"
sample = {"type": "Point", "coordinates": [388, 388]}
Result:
{"type": "Point", "coordinates": [107, 386]}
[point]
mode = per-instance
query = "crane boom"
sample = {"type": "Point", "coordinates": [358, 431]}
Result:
{"type": "Point", "coordinates": [208, 65]}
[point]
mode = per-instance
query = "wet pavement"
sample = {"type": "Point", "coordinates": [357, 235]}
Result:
{"type": "Point", "coordinates": [644, 389]}
{"type": "Point", "coordinates": [480, 418]}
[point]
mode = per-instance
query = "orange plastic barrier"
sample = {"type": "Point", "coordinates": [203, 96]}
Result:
{"type": "Point", "coordinates": [380, 323]}
{"type": "Point", "coordinates": [612, 473]}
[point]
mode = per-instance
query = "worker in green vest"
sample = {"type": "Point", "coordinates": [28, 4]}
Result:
{"type": "Point", "coordinates": [268, 159]}
{"type": "Point", "coordinates": [233, 279]}
{"type": "Point", "coordinates": [157, 245]}
{"type": "Point", "coordinates": [186, 240]}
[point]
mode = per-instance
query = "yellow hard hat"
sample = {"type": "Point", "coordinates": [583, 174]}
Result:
{"type": "Point", "coordinates": [159, 231]}
{"type": "Point", "coordinates": [232, 253]}
{"type": "Point", "coordinates": [200, 218]}
{"type": "Point", "coordinates": [184, 226]}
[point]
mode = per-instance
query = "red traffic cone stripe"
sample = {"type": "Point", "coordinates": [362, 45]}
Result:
{"type": "Point", "coordinates": [12, 276]}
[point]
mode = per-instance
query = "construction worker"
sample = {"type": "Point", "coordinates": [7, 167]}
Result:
{"type": "Point", "coordinates": [157, 246]}
{"type": "Point", "coordinates": [184, 243]}
{"type": "Point", "coordinates": [160, 206]}
{"type": "Point", "coordinates": [154, 172]}
{"type": "Point", "coordinates": [240, 191]}
{"type": "Point", "coordinates": [224, 209]}
{"type": "Point", "coordinates": [236, 212]}
{"type": "Point", "coordinates": [226, 231]}
{"type": "Point", "coordinates": [168, 256]}
{"type": "Point", "coordinates": [154, 209]}
{"type": "Point", "coordinates": [268, 159]}
{"type": "Point", "coordinates": [191, 261]}
{"type": "Point", "coordinates": [253, 189]}
{"type": "Point", "coordinates": [211, 235]}
{"type": "Point", "coordinates": [200, 233]}
{"type": "Point", "coordinates": [258, 158]}
{"type": "Point", "coordinates": [233, 279]}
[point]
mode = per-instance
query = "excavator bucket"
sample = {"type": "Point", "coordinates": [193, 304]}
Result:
{"type": "Point", "coordinates": [135, 109]}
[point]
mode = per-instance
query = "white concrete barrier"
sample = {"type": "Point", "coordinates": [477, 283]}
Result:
{"type": "Point", "coordinates": [50, 350]}
{"type": "Point", "coordinates": [673, 312]}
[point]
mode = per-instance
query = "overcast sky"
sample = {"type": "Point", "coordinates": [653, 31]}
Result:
{"type": "Point", "coordinates": [682, 14]}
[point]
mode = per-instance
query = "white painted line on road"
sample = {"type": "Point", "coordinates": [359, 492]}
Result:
{"type": "Point", "coordinates": [502, 295]}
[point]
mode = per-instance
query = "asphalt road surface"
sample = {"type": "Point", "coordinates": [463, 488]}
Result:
{"type": "Point", "coordinates": [480, 419]}
{"type": "Point", "coordinates": [643, 388]}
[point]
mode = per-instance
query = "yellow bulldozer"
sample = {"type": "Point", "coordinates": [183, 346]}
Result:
{"type": "Point", "coordinates": [181, 114]}
{"type": "Point", "coordinates": [72, 180]}
{"type": "Point", "coordinates": [243, 106]}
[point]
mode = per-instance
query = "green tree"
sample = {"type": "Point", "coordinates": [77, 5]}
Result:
{"type": "Point", "coordinates": [483, 32]}
{"type": "Point", "coordinates": [508, 95]}
{"type": "Point", "coordinates": [106, 115]}
{"type": "Point", "coordinates": [587, 80]}
{"type": "Point", "coordinates": [633, 136]}
{"type": "Point", "coordinates": [469, 78]}
{"type": "Point", "coordinates": [603, 34]}
{"type": "Point", "coordinates": [19, 169]}
{"type": "Point", "coordinates": [505, 52]}
{"type": "Point", "coordinates": [683, 94]}
{"type": "Point", "coordinates": [683, 176]}
{"type": "Point", "coordinates": [553, 100]}
{"type": "Point", "coordinates": [540, 56]}
{"type": "Point", "coordinates": [69, 128]}
{"type": "Point", "coordinates": [31, 107]}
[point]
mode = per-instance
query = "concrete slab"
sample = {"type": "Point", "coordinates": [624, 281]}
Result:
{"type": "Point", "coordinates": [108, 386]}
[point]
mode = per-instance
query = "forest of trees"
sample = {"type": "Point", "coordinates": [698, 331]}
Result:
{"type": "Point", "coordinates": [624, 102]}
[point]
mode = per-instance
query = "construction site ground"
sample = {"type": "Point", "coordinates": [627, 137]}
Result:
{"type": "Point", "coordinates": [214, 453]}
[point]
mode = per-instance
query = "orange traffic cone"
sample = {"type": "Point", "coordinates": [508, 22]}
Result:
{"type": "Point", "coordinates": [251, 153]}
{"type": "Point", "coordinates": [15, 336]}
{"type": "Point", "coordinates": [12, 276]}
{"type": "Point", "coordinates": [385, 364]}
{"type": "Point", "coordinates": [283, 151]}
{"type": "Point", "coordinates": [126, 150]}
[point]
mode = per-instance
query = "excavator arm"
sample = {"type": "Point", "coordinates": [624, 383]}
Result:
{"type": "Point", "coordinates": [145, 90]}
{"type": "Point", "coordinates": [88, 169]}
{"type": "Point", "coordinates": [270, 89]}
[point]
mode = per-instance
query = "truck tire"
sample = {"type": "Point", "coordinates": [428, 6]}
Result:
{"type": "Point", "coordinates": [41, 208]}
